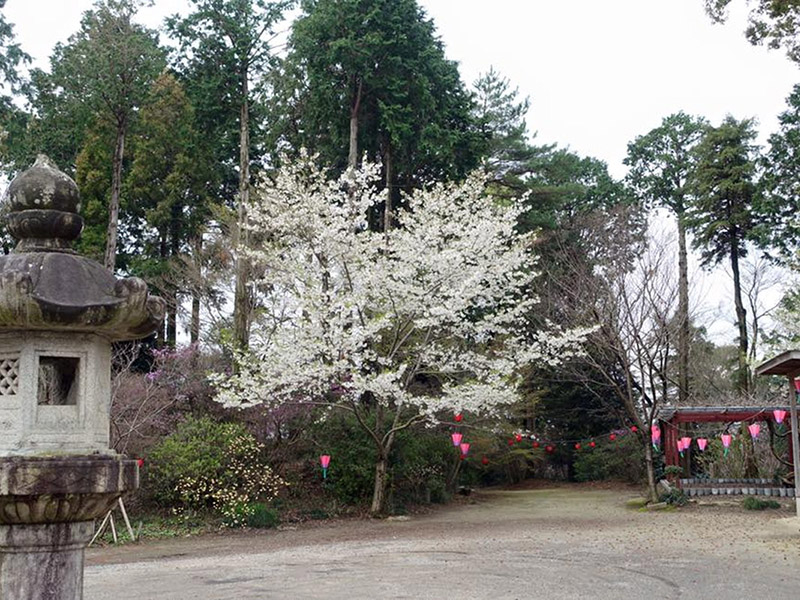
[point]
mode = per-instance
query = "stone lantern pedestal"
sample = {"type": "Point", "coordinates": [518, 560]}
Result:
{"type": "Point", "coordinates": [59, 314]}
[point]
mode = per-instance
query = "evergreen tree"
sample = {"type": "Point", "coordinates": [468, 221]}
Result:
{"type": "Point", "coordinates": [723, 216]}
{"type": "Point", "coordinates": [106, 68]}
{"type": "Point", "coordinates": [225, 47]}
{"type": "Point", "coordinates": [370, 77]}
{"type": "Point", "coordinates": [660, 165]}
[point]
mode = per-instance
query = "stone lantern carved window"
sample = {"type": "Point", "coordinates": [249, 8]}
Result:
{"type": "Point", "coordinates": [58, 381]}
{"type": "Point", "coordinates": [9, 375]}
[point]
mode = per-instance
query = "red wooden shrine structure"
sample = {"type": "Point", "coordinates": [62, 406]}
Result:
{"type": "Point", "coordinates": [672, 423]}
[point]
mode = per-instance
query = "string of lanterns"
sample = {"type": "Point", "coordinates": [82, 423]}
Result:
{"type": "Point", "coordinates": [683, 443]}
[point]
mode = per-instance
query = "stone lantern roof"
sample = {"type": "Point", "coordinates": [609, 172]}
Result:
{"type": "Point", "coordinates": [44, 285]}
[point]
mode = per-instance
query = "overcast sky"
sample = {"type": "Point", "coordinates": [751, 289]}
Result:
{"type": "Point", "coordinates": [598, 73]}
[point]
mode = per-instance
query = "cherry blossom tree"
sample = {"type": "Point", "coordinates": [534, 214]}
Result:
{"type": "Point", "coordinates": [397, 328]}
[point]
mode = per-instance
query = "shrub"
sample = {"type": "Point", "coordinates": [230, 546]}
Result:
{"type": "Point", "coordinates": [261, 516]}
{"type": "Point", "coordinates": [673, 470]}
{"type": "Point", "coordinates": [621, 459]}
{"type": "Point", "coordinates": [751, 503]}
{"type": "Point", "coordinates": [675, 497]}
{"type": "Point", "coordinates": [352, 471]}
{"type": "Point", "coordinates": [211, 465]}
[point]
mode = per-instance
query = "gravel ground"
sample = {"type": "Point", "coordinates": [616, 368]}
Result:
{"type": "Point", "coordinates": [562, 542]}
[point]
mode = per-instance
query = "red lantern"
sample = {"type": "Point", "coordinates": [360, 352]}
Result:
{"type": "Point", "coordinates": [140, 462]}
{"type": "Point", "coordinates": [510, 441]}
{"type": "Point", "coordinates": [456, 438]}
{"type": "Point", "coordinates": [549, 449]}
{"type": "Point", "coordinates": [458, 418]}
{"type": "Point", "coordinates": [485, 461]}
{"type": "Point", "coordinates": [577, 446]}
{"type": "Point", "coordinates": [535, 444]}
{"type": "Point", "coordinates": [518, 437]}
{"type": "Point", "coordinates": [634, 428]}
{"type": "Point", "coordinates": [592, 444]}
{"type": "Point", "coordinates": [612, 437]}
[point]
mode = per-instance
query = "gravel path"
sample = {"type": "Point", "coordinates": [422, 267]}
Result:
{"type": "Point", "coordinates": [561, 543]}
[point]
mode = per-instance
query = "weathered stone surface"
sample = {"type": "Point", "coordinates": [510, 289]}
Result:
{"type": "Point", "coordinates": [59, 313]}
{"type": "Point", "coordinates": [52, 490]}
{"type": "Point", "coordinates": [46, 286]}
{"type": "Point", "coordinates": [43, 562]}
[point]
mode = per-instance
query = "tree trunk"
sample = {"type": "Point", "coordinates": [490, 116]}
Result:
{"type": "Point", "coordinates": [172, 318]}
{"type": "Point", "coordinates": [387, 213]}
{"type": "Point", "coordinates": [241, 299]}
{"type": "Point", "coordinates": [683, 314]}
{"type": "Point", "coordinates": [651, 472]}
{"type": "Point", "coordinates": [194, 326]}
{"type": "Point", "coordinates": [378, 506]}
{"type": "Point", "coordinates": [742, 376]}
{"type": "Point", "coordinates": [110, 258]}
{"type": "Point", "coordinates": [352, 157]}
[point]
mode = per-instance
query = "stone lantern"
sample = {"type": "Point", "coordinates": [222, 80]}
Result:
{"type": "Point", "coordinates": [59, 314]}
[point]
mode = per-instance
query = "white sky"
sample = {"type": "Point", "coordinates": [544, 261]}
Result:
{"type": "Point", "coordinates": [598, 73]}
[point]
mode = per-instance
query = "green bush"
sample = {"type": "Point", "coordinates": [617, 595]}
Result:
{"type": "Point", "coordinates": [621, 459]}
{"type": "Point", "coordinates": [352, 471]}
{"type": "Point", "coordinates": [675, 497]}
{"type": "Point", "coordinates": [751, 503]}
{"type": "Point", "coordinates": [209, 465]}
{"type": "Point", "coordinates": [418, 465]}
{"type": "Point", "coordinates": [262, 517]}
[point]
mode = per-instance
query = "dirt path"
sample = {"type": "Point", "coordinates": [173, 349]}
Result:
{"type": "Point", "coordinates": [566, 542]}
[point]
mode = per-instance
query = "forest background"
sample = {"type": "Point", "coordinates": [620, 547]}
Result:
{"type": "Point", "coordinates": [175, 136]}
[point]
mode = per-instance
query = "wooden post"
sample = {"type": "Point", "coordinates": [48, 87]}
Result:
{"type": "Point", "coordinates": [795, 445]}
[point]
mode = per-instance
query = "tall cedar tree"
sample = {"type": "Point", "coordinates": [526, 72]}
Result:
{"type": "Point", "coordinates": [660, 165]}
{"type": "Point", "coordinates": [781, 184]}
{"type": "Point", "coordinates": [370, 77]}
{"type": "Point", "coordinates": [109, 65]}
{"type": "Point", "coordinates": [723, 216]}
{"type": "Point", "coordinates": [226, 49]}
{"type": "Point", "coordinates": [167, 181]}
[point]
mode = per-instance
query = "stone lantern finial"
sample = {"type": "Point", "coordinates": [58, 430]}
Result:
{"type": "Point", "coordinates": [46, 286]}
{"type": "Point", "coordinates": [42, 208]}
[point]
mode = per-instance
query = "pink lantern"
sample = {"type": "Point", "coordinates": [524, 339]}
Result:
{"type": "Point", "coordinates": [464, 449]}
{"type": "Point", "coordinates": [754, 429]}
{"type": "Point", "coordinates": [779, 415]}
{"type": "Point", "coordinates": [679, 443]}
{"type": "Point", "coordinates": [325, 460]}
{"type": "Point", "coordinates": [456, 438]}
{"type": "Point", "coordinates": [687, 442]}
{"type": "Point", "coordinates": [797, 385]}
{"type": "Point", "coordinates": [702, 443]}
{"type": "Point", "coordinates": [655, 434]}
{"type": "Point", "coordinates": [726, 442]}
